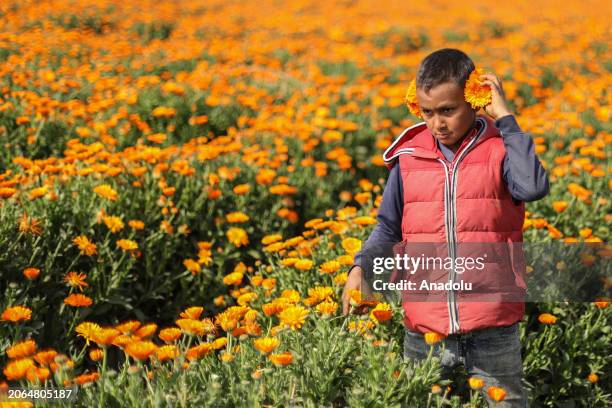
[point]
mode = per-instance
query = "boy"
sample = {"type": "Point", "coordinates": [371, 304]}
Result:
{"type": "Point", "coordinates": [459, 178]}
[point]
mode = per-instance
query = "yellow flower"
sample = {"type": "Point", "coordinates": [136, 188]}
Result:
{"type": "Point", "coordinates": [113, 223]}
{"type": "Point", "coordinates": [234, 278]}
{"type": "Point", "coordinates": [106, 191]}
{"type": "Point", "coordinates": [351, 245]}
{"type": "Point", "coordinates": [293, 316]}
{"type": "Point", "coordinates": [477, 94]}
{"type": "Point", "coordinates": [237, 217]}
{"type": "Point", "coordinates": [411, 100]}
{"type": "Point", "coordinates": [476, 383]}
{"type": "Point", "coordinates": [88, 330]}
{"type": "Point", "coordinates": [266, 344]}
{"type": "Point", "coordinates": [327, 308]}
{"type": "Point", "coordinates": [329, 267]}
{"type": "Point", "coordinates": [270, 239]}
{"type": "Point", "coordinates": [237, 236]}
{"type": "Point", "coordinates": [303, 264]}
{"type": "Point", "coordinates": [85, 245]}
{"type": "Point", "coordinates": [319, 294]}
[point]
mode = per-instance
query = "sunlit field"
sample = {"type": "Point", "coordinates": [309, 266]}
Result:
{"type": "Point", "coordinates": [184, 184]}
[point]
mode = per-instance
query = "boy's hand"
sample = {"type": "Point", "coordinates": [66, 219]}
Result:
{"type": "Point", "coordinates": [354, 281]}
{"type": "Point", "coordinates": [498, 108]}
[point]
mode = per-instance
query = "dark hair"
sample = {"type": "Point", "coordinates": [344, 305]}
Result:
{"type": "Point", "coordinates": [445, 65]}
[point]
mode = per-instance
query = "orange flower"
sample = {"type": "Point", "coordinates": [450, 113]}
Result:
{"type": "Point", "coordinates": [602, 303]}
{"type": "Point", "coordinates": [238, 216]}
{"type": "Point", "coordinates": [146, 331]}
{"type": "Point", "coordinates": [192, 266]}
{"type": "Point", "coordinates": [496, 393]}
{"type": "Point", "coordinates": [37, 374]}
{"type": "Point", "coordinates": [96, 354]}
{"type": "Point", "coordinates": [476, 93]}
{"type": "Point", "coordinates": [85, 245]}
{"type": "Point", "coordinates": [193, 312]}
{"type": "Point", "coordinates": [559, 206]}
{"type": "Point", "coordinates": [6, 192]}
{"type": "Point", "coordinates": [281, 359]}
{"type": "Point", "coordinates": [381, 313]}
{"type": "Point", "coordinates": [127, 245]}
{"type": "Point", "coordinates": [140, 350]}
{"type": "Point", "coordinates": [547, 318]}
{"type": "Point", "coordinates": [191, 326]}
{"type": "Point", "coordinates": [31, 273]}
{"type": "Point", "coordinates": [16, 313]}
{"type": "Point", "coordinates": [433, 337]}
{"type": "Point", "coordinates": [17, 369]}
{"type": "Point", "coordinates": [22, 349]}
{"type": "Point", "coordinates": [29, 225]}
{"type": "Point", "coordinates": [128, 327]}
{"type": "Point", "coordinates": [169, 334]}
{"type": "Point", "coordinates": [167, 352]}
{"type": "Point", "coordinates": [87, 378]}
{"type": "Point", "coordinates": [45, 357]}
{"type": "Point", "coordinates": [198, 351]}
{"type": "Point", "coordinates": [105, 336]}
{"type": "Point", "coordinates": [136, 224]}
{"type": "Point", "coordinates": [78, 300]}
{"type": "Point", "coordinates": [593, 378]}
{"type": "Point", "coordinates": [76, 280]}
{"type": "Point", "coordinates": [266, 344]}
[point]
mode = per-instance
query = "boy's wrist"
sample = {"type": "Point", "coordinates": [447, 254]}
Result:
{"type": "Point", "coordinates": [508, 124]}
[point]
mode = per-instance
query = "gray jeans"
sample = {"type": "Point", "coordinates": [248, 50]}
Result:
{"type": "Point", "coordinates": [492, 354]}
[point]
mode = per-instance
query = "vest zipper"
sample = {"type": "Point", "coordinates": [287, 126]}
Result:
{"type": "Point", "coordinates": [448, 225]}
{"type": "Point", "coordinates": [450, 221]}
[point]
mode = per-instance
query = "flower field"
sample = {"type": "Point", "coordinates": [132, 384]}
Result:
{"type": "Point", "coordinates": [184, 184]}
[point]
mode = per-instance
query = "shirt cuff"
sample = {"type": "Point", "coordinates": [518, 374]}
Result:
{"type": "Point", "coordinates": [508, 124]}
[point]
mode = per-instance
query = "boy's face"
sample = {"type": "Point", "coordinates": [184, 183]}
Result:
{"type": "Point", "coordinates": [447, 115]}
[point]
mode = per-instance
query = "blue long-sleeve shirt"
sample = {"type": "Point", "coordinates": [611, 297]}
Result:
{"type": "Point", "coordinates": [522, 172]}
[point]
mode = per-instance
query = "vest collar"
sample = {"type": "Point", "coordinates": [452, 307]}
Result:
{"type": "Point", "coordinates": [418, 141]}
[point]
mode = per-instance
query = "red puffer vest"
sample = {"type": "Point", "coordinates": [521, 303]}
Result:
{"type": "Point", "coordinates": [465, 207]}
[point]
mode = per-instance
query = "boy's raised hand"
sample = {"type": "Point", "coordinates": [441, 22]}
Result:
{"type": "Point", "coordinates": [498, 108]}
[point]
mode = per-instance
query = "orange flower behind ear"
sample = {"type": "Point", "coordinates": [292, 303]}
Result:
{"type": "Point", "coordinates": [411, 100]}
{"type": "Point", "coordinates": [477, 94]}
